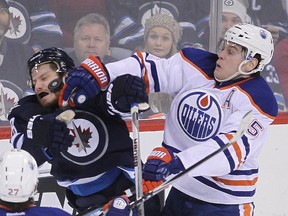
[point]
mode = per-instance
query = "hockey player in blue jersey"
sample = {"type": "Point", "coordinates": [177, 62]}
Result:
{"type": "Point", "coordinates": [212, 93]}
{"type": "Point", "coordinates": [18, 185]}
{"type": "Point", "coordinates": [92, 156]}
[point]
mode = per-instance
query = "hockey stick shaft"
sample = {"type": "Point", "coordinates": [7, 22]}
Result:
{"type": "Point", "coordinates": [243, 126]}
{"type": "Point", "coordinates": [137, 157]}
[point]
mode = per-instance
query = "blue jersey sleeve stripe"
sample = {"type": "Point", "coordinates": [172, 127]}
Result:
{"type": "Point", "coordinates": [226, 152]}
{"type": "Point", "coordinates": [155, 76]}
{"type": "Point", "coordinates": [244, 172]}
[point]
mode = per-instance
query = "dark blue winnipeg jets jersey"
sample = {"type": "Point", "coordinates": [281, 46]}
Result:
{"type": "Point", "coordinates": [101, 141]}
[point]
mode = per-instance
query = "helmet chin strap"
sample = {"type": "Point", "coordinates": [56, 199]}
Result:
{"type": "Point", "coordinates": [239, 73]}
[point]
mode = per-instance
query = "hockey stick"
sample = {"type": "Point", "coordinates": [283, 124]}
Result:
{"type": "Point", "coordinates": [137, 157]}
{"type": "Point", "coordinates": [243, 126]}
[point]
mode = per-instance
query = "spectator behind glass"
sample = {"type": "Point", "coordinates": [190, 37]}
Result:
{"type": "Point", "coordinates": [271, 15]}
{"type": "Point", "coordinates": [233, 12]}
{"type": "Point", "coordinates": [33, 23]}
{"type": "Point", "coordinates": [13, 58]}
{"type": "Point", "coordinates": [127, 20]}
{"type": "Point", "coordinates": [92, 37]}
{"type": "Point", "coordinates": [68, 12]}
{"type": "Point", "coordinates": [161, 36]}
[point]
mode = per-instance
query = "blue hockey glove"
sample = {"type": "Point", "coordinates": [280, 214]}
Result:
{"type": "Point", "coordinates": [84, 82]}
{"type": "Point", "coordinates": [124, 91]}
{"type": "Point", "coordinates": [161, 163]}
{"type": "Point", "coordinates": [49, 133]}
{"type": "Point", "coordinates": [118, 207]}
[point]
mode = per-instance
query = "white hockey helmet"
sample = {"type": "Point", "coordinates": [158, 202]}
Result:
{"type": "Point", "coordinates": [256, 40]}
{"type": "Point", "coordinates": [18, 176]}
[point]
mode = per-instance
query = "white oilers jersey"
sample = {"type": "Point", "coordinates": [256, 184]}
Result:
{"type": "Point", "coordinates": [203, 117]}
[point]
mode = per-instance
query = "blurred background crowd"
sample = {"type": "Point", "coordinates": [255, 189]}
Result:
{"type": "Point", "coordinates": [114, 29]}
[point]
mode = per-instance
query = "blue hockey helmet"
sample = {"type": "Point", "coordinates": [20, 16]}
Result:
{"type": "Point", "coordinates": [62, 61]}
{"type": "Point", "coordinates": [59, 57]}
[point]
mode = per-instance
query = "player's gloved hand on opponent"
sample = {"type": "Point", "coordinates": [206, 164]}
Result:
{"type": "Point", "coordinates": [124, 91]}
{"type": "Point", "coordinates": [84, 82]}
{"type": "Point", "coordinates": [119, 207]}
{"type": "Point", "coordinates": [161, 163]}
{"type": "Point", "coordinates": [50, 133]}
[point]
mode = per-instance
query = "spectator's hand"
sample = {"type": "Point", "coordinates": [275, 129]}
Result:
{"type": "Point", "coordinates": [84, 82]}
{"type": "Point", "coordinates": [275, 31]}
{"type": "Point", "coordinates": [118, 207]}
{"type": "Point", "coordinates": [160, 164]}
{"type": "Point", "coordinates": [124, 91]}
{"type": "Point", "coordinates": [49, 132]}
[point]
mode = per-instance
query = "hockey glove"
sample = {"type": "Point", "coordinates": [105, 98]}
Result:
{"type": "Point", "coordinates": [150, 185]}
{"type": "Point", "coordinates": [160, 164]}
{"type": "Point", "coordinates": [84, 82]}
{"type": "Point", "coordinates": [124, 91]}
{"type": "Point", "coordinates": [49, 133]}
{"type": "Point", "coordinates": [118, 207]}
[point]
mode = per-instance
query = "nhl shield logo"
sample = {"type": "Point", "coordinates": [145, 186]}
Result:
{"type": "Point", "coordinates": [199, 114]}
{"type": "Point", "coordinates": [90, 138]}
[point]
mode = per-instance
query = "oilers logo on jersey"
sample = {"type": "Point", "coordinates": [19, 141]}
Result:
{"type": "Point", "coordinates": [90, 139]}
{"type": "Point", "coordinates": [199, 114]}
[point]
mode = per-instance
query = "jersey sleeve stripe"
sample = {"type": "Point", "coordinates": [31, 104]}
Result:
{"type": "Point", "coordinates": [246, 144]}
{"type": "Point", "coordinates": [236, 148]}
{"type": "Point", "coordinates": [237, 182]}
{"type": "Point", "coordinates": [154, 75]}
{"type": "Point", "coordinates": [226, 152]}
{"type": "Point", "coordinates": [244, 172]}
{"type": "Point", "coordinates": [145, 75]}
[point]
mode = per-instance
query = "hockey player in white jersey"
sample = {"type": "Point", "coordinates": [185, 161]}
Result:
{"type": "Point", "coordinates": [18, 185]}
{"type": "Point", "coordinates": [211, 94]}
